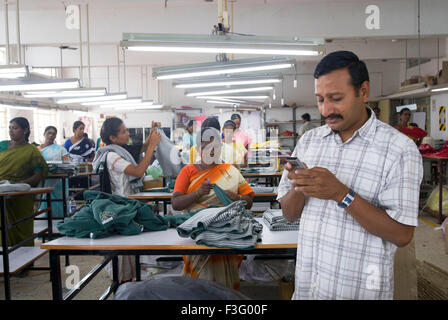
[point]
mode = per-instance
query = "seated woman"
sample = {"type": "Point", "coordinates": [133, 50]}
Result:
{"type": "Point", "coordinates": [194, 190]}
{"type": "Point", "coordinates": [54, 152]}
{"type": "Point", "coordinates": [126, 176]}
{"type": "Point", "coordinates": [20, 162]}
{"type": "Point", "coordinates": [233, 151]}
{"type": "Point", "coordinates": [80, 149]}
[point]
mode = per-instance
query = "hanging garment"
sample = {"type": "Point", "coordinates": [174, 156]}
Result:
{"type": "Point", "coordinates": [168, 156]}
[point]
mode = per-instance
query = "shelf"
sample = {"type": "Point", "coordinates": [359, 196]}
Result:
{"type": "Point", "coordinates": [279, 122]}
{"type": "Point", "coordinates": [23, 256]}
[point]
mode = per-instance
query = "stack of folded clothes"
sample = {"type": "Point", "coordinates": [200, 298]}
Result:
{"type": "Point", "coordinates": [58, 167]}
{"type": "Point", "coordinates": [275, 221]}
{"type": "Point", "coordinates": [7, 186]}
{"type": "Point", "coordinates": [231, 226]}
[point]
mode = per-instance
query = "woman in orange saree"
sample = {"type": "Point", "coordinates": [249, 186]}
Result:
{"type": "Point", "coordinates": [194, 191]}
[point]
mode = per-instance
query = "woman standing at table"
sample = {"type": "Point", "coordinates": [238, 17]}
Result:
{"type": "Point", "coordinates": [194, 190]}
{"type": "Point", "coordinates": [79, 148]}
{"type": "Point", "coordinates": [53, 152]}
{"type": "Point", "coordinates": [233, 151]}
{"type": "Point", "coordinates": [126, 176]}
{"type": "Point", "coordinates": [20, 162]}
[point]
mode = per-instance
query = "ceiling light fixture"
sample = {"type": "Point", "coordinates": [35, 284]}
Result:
{"type": "Point", "coordinates": [141, 107]}
{"type": "Point", "coordinates": [13, 71]}
{"type": "Point", "coordinates": [219, 68]}
{"type": "Point", "coordinates": [230, 44]}
{"type": "Point", "coordinates": [115, 103]}
{"type": "Point", "coordinates": [130, 103]}
{"type": "Point", "coordinates": [225, 91]}
{"type": "Point", "coordinates": [81, 92]}
{"type": "Point", "coordinates": [40, 84]}
{"type": "Point", "coordinates": [252, 97]}
{"type": "Point", "coordinates": [226, 82]}
{"type": "Point", "coordinates": [108, 97]}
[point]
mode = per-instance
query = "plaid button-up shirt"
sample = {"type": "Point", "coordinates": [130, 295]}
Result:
{"type": "Point", "coordinates": [336, 257]}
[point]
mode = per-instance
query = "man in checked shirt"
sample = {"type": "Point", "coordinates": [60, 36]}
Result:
{"type": "Point", "coordinates": [358, 200]}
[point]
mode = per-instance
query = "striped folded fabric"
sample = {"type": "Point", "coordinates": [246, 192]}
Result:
{"type": "Point", "coordinates": [231, 226]}
{"type": "Point", "coordinates": [276, 222]}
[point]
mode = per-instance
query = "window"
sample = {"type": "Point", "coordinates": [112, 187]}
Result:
{"type": "Point", "coordinates": [4, 135]}
{"type": "Point", "coordinates": [2, 56]}
{"type": "Point", "coordinates": [43, 119]}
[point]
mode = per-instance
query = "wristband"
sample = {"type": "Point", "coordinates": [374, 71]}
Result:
{"type": "Point", "coordinates": [348, 199]}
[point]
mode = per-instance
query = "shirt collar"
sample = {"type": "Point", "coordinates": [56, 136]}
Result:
{"type": "Point", "coordinates": [367, 131]}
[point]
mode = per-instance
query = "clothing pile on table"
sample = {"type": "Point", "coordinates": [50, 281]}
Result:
{"type": "Point", "coordinates": [231, 226]}
{"type": "Point", "coordinates": [105, 215]}
{"type": "Point", "coordinates": [261, 189]}
{"type": "Point", "coordinates": [58, 167]}
{"type": "Point", "coordinates": [7, 186]}
{"type": "Point", "coordinates": [276, 222]}
{"type": "Point", "coordinates": [258, 170]}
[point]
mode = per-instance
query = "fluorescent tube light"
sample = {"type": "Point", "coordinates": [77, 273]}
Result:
{"type": "Point", "coordinates": [141, 107]}
{"type": "Point", "coordinates": [230, 44]}
{"type": "Point", "coordinates": [41, 84]}
{"type": "Point", "coordinates": [439, 89]}
{"type": "Point", "coordinates": [19, 107]}
{"type": "Point", "coordinates": [108, 97]}
{"type": "Point", "coordinates": [266, 51]}
{"type": "Point", "coordinates": [115, 103]}
{"type": "Point", "coordinates": [223, 102]}
{"type": "Point", "coordinates": [226, 82]}
{"type": "Point", "coordinates": [82, 92]}
{"type": "Point", "coordinates": [258, 97]}
{"type": "Point", "coordinates": [224, 71]}
{"type": "Point", "coordinates": [13, 71]}
{"type": "Point", "coordinates": [225, 91]}
{"type": "Point", "coordinates": [220, 68]}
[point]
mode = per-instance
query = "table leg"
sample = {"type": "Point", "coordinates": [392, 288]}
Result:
{"type": "Point", "coordinates": [6, 275]}
{"type": "Point", "coordinates": [138, 268]}
{"type": "Point", "coordinates": [55, 274]}
{"type": "Point", "coordinates": [64, 197]}
{"type": "Point", "coordinates": [440, 163]}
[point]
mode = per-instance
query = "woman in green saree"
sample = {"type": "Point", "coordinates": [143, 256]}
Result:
{"type": "Point", "coordinates": [20, 162]}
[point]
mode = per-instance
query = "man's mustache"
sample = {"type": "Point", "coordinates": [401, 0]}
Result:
{"type": "Point", "coordinates": [333, 116]}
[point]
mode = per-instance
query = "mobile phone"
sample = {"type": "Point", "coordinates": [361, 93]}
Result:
{"type": "Point", "coordinates": [296, 163]}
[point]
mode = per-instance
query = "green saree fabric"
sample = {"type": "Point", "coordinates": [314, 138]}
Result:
{"type": "Point", "coordinates": [17, 164]}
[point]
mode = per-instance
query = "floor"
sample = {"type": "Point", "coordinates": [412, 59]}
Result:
{"type": "Point", "coordinates": [430, 252]}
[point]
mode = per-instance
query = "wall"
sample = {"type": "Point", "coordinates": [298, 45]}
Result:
{"type": "Point", "coordinates": [437, 101]}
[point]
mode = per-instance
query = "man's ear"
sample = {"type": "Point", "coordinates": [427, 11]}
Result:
{"type": "Point", "coordinates": [364, 91]}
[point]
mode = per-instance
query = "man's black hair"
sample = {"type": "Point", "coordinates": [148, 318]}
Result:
{"type": "Point", "coordinates": [341, 60]}
{"type": "Point", "coordinates": [306, 116]}
{"type": "Point", "coordinates": [403, 110]}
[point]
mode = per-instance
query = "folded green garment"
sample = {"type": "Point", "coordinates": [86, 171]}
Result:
{"type": "Point", "coordinates": [105, 215]}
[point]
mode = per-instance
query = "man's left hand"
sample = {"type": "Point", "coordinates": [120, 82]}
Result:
{"type": "Point", "coordinates": [320, 183]}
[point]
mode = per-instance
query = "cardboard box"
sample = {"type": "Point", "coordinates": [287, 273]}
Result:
{"type": "Point", "coordinates": [149, 184]}
{"type": "Point", "coordinates": [443, 74]}
{"type": "Point", "coordinates": [430, 80]}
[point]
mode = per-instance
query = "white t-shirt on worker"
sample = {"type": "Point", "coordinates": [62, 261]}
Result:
{"type": "Point", "coordinates": [119, 181]}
